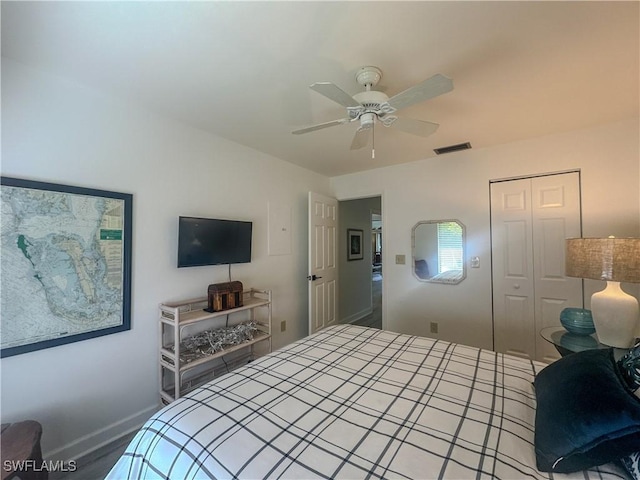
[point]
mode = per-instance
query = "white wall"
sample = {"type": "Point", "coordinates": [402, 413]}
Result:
{"type": "Point", "coordinates": [457, 186]}
{"type": "Point", "coordinates": [89, 392]}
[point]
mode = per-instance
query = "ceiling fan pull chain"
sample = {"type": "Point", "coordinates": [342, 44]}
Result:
{"type": "Point", "coordinates": [373, 141]}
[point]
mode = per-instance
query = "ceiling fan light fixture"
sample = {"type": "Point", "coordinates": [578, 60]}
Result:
{"type": "Point", "coordinates": [367, 120]}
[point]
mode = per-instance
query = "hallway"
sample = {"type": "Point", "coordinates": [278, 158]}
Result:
{"type": "Point", "coordinates": [374, 319]}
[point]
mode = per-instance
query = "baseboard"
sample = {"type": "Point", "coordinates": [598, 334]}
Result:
{"type": "Point", "coordinates": [358, 315]}
{"type": "Point", "coordinates": [91, 446]}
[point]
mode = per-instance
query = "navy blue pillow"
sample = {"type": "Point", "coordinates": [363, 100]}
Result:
{"type": "Point", "coordinates": [586, 415]}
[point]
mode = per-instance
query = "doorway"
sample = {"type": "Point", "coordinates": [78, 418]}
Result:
{"type": "Point", "coordinates": [375, 318]}
{"type": "Point", "coordinates": [361, 279]}
{"type": "Point", "coordinates": [530, 219]}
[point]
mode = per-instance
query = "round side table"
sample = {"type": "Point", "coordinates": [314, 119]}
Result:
{"type": "Point", "coordinates": [567, 343]}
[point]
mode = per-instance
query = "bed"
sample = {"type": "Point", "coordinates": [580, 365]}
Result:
{"type": "Point", "coordinates": [353, 402]}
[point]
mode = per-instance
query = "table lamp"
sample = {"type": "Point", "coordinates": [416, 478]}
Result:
{"type": "Point", "coordinates": [615, 313]}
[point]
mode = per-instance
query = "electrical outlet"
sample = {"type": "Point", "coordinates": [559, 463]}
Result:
{"type": "Point", "coordinates": [283, 325]}
{"type": "Point", "coordinates": [400, 259]}
{"type": "Point", "coordinates": [434, 327]}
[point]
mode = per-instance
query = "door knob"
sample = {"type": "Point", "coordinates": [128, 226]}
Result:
{"type": "Point", "coordinates": [313, 277]}
{"type": "Point", "coordinates": [516, 286]}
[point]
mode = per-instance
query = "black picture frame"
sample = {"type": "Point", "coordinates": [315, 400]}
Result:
{"type": "Point", "coordinates": [355, 245]}
{"type": "Point", "coordinates": [49, 261]}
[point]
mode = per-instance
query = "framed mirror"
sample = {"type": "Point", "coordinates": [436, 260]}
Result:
{"type": "Point", "coordinates": [438, 251]}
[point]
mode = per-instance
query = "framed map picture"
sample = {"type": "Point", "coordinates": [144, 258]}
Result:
{"type": "Point", "coordinates": [66, 264]}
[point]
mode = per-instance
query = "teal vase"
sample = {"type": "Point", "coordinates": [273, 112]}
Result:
{"type": "Point", "coordinates": [577, 321]}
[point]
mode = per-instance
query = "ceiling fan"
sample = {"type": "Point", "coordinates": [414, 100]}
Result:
{"type": "Point", "coordinates": [371, 105]}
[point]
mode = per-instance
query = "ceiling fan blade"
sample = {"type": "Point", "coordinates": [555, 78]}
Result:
{"type": "Point", "coordinates": [320, 126]}
{"type": "Point", "coordinates": [431, 87]}
{"type": "Point", "coordinates": [335, 93]}
{"type": "Point", "coordinates": [415, 127]}
{"type": "Point", "coordinates": [361, 138]}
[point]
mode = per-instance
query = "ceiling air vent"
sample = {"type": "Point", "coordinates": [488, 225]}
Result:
{"type": "Point", "coordinates": [452, 148]}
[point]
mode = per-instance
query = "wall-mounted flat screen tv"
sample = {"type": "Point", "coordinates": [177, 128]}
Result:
{"type": "Point", "coordinates": [209, 241]}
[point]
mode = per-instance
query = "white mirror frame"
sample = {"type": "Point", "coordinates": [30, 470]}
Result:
{"type": "Point", "coordinates": [452, 277]}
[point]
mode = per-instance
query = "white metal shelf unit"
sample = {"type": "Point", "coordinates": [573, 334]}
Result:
{"type": "Point", "coordinates": [175, 317]}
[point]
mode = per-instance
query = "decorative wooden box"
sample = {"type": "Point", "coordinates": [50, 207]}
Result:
{"type": "Point", "coordinates": [223, 296]}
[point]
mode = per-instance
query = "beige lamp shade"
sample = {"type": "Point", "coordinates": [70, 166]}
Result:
{"type": "Point", "coordinates": [612, 259]}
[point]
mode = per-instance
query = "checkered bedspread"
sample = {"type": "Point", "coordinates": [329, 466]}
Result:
{"type": "Point", "coordinates": [352, 402]}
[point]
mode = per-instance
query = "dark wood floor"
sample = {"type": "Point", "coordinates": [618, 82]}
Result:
{"type": "Point", "coordinates": [374, 319]}
{"type": "Point", "coordinates": [97, 465]}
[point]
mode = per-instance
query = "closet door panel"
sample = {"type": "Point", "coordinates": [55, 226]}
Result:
{"type": "Point", "coordinates": [556, 217]}
{"type": "Point", "coordinates": [513, 301]}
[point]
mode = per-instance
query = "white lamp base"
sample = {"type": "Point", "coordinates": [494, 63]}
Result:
{"type": "Point", "coordinates": [615, 316]}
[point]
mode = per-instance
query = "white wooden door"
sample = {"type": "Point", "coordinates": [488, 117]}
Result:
{"type": "Point", "coordinates": [512, 264]}
{"type": "Point", "coordinates": [530, 220]}
{"type": "Point", "coordinates": [323, 261]}
{"type": "Point", "coordinates": [556, 217]}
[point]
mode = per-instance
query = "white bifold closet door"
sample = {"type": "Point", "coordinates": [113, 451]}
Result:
{"type": "Point", "coordinates": [530, 220]}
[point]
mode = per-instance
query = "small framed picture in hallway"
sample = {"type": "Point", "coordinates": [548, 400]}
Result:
{"type": "Point", "coordinates": [354, 244]}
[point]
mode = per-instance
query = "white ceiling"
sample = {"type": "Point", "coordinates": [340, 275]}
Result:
{"type": "Point", "coordinates": [241, 70]}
